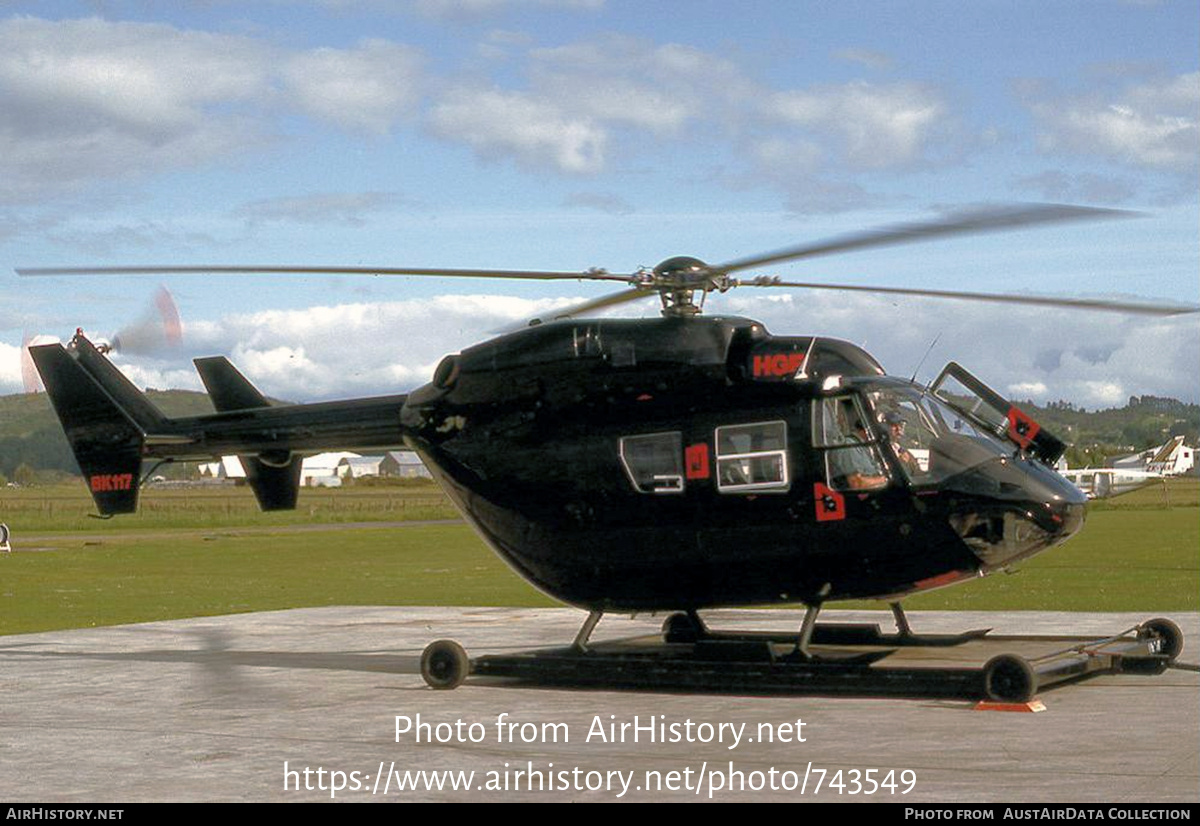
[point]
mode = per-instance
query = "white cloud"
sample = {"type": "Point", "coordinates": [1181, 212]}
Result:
{"type": "Point", "coordinates": [496, 123]}
{"type": "Point", "coordinates": [1027, 390]}
{"type": "Point", "coordinates": [10, 369]}
{"type": "Point", "coordinates": [141, 75]}
{"type": "Point", "coordinates": [866, 57]}
{"type": "Point", "coordinates": [628, 81]}
{"type": "Point", "coordinates": [582, 96]}
{"type": "Point", "coordinates": [1061, 187]}
{"type": "Point", "coordinates": [86, 100]}
{"type": "Point", "coordinates": [89, 100]}
{"type": "Point", "coordinates": [157, 376]}
{"type": "Point", "coordinates": [345, 208]}
{"type": "Point", "coordinates": [588, 102]}
{"type": "Point", "coordinates": [870, 126]}
{"type": "Point", "coordinates": [367, 88]}
{"type": "Point", "coordinates": [1153, 124]}
{"type": "Point", "coordinates": [626, 102]}
{"type": "Point", "coordinates": [799, 155]}
{"type": "Point", "coordinates": [821, 145]}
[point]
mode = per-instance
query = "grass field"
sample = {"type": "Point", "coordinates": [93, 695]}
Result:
{"type": "Point", "coordinates": [66, 507]}
{"type": "Point", "coordinates": [213, 553]}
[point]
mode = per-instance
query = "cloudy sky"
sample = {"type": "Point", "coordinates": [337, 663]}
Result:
{"type": "Point", "coordinates": [568, 134]}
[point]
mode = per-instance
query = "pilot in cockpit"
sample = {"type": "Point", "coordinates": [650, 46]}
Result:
{"type": "Point", "coordinates": [896, 426]}
{"type": "Point", "coordinates": [853, 464]}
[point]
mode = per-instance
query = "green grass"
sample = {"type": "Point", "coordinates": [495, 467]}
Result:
{"type": "Point", "coordinates": [66, 507]}
{"type": "Point", "coordinates": [73, 584]}
{"type": "Point", "coordinates": [1123, 560]}
{"type": "Point", "coordinates": [1136, 553]}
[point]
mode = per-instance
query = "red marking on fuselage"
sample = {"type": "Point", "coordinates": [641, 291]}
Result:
{"type": "Point", "coordinates": [831, 505]}
{"type": "Point", "coordinates": [697, 461]}
{"type": "Point", "coordinates": [777, 365]}
{"type": "Point", "coordinates": [105, 482]}
{"type": "Point", "coordinates": [941, 579]}
{"type": "Point", "coordinates": [1021, 428]}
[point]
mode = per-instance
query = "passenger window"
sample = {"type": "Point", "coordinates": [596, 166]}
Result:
{"type": "Point", "coordinates": [852, 460]}
{"type": "Point", "coordinates": [654, 463]}
{"type": "Point", "coordinates": [752, 458]}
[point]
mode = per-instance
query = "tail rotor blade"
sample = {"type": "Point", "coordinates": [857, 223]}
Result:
{"type": "Point", "coordinates": [158, 331]}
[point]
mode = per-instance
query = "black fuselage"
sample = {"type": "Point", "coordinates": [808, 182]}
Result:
{"type": "Point", "coordinates": [542, 440]}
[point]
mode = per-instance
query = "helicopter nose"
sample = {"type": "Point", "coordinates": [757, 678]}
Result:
{"type": "Point", "coordinates": [1021, 519]}
{"type": "Point", "coordinates": [1068, 516]}
{"type": "Point", "coordinates": [1064, 505]}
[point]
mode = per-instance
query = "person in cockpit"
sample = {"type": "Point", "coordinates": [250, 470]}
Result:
{"type": "Point", "coordinates": [896, 426]}
{"type": "Point", "coordinates": [854, 466]}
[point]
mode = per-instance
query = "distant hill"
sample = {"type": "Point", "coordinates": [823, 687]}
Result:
{"type": "Point", "coordinates": [29, 431]}
{"type": "Point", "coordinates": [1098, 436]}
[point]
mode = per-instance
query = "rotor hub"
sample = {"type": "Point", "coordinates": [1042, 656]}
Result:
{"type": "Point", "coordinates": [677, 279]}
{"type": "Point", "coordinates": [682, 270]}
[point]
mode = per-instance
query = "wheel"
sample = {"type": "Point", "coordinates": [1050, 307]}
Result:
{"type": "Point", "coordinates": [444, 664]}
{"type": "Point", "coordinates": [1168, 634]}
{"type": "Point", "coordinates": [1009, 679]}
{"type": "Point", "coordinates": [680, 628]}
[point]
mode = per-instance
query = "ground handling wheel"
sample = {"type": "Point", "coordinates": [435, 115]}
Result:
{"type": "Point", "coordinates": [1168, 634]}
{"type": "Point", "coordinates": [444, 664]}
{"type": "Point", "coordinates": [680, 627]}
{"type": "Point", "coordinates": [1009, 679]}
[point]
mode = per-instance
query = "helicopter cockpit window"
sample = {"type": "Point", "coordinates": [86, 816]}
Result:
{"type": "Point", "coordinates": [654, 463]}
{"type": "Point", "coordinates": [752, 458]}
{"type": "Point", "coordinates": [852, 460]}
{"type": "Point", "coordinates": [931, 439]}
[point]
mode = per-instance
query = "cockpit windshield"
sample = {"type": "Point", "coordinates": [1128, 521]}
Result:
{"type": "Point", "coordinates": [930, 439]}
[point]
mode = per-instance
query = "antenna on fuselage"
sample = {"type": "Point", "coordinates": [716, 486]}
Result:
{"type": "Point", "coordinates": [928, 350]}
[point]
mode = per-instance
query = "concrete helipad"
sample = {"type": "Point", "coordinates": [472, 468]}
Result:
{"type": "Point", "coordinates": [284, 706]}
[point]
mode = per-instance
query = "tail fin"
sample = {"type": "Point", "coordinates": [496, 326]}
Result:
{"type": "Point", "coordinates": [228, 388]}
{"type": "Point", "coordinates": [275, 479]}
{"type": "Point", "coordinates": [105, 417]}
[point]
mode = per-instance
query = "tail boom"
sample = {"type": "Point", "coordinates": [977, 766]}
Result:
{"type": "Point", "coordinates": [112, 427]}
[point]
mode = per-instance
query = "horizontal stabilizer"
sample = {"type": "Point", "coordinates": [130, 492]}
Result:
{"type": "Point", "coordinates": [276, 483]}
{"type": "Point", "coordinates": [228, 388]}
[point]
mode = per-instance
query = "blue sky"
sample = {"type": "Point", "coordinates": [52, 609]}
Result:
{"type": "Point", "coordinates": [568, 134]}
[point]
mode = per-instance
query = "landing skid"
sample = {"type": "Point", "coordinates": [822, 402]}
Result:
{"type": "Point", "coordinates": [845, 659]}
{"type": "Point", "coordinates": [840, 633]}
{"type": "Point", "coordinates": [688, 627]}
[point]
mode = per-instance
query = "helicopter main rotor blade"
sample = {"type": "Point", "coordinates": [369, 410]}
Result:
{"type": "Point", "coordinates": [585, 275]}
{"type": "Point", "coordinates": [966, 223]}
{"type": "Point", "coordinates": [603, 302]}
{"type": "Point", "coordinates": [1141, 308]}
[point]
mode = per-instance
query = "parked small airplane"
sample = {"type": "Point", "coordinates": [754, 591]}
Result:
{"type": "Point", "coordinates": [1103, 482]}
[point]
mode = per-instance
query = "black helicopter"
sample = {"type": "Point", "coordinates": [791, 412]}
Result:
{"type": "Point", "coordinates": [672, 464]}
